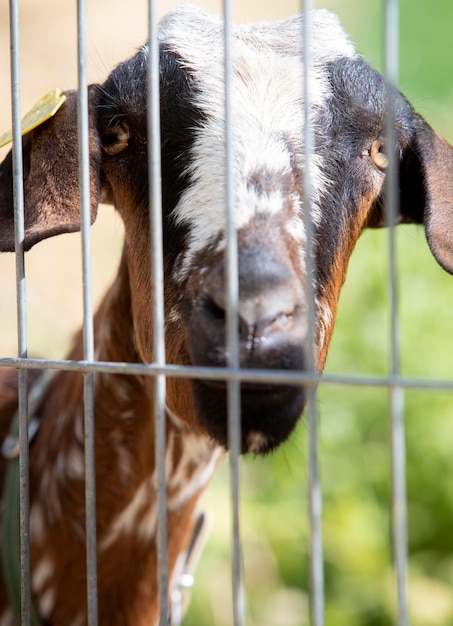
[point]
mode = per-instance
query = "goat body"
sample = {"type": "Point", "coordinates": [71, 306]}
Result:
{"type": "Point", "coordinates": [348, 104]}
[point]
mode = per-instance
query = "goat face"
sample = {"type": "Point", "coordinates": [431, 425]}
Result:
{"type": "Point", "coordinates": [348, 103]}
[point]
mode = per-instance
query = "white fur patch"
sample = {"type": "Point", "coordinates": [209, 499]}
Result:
{"type": "Point", "coordinates": [177, 422]}
{"type": "Point", "coordinates": [125, 456]}
{"type": "Point", "coordinates": [267, 115]}
{"type": "Point", "coordinates": [197, 480]}
{"type": "Point", "coordinates": [46, 602]}
{"type": "Point", "coordinates": [70, 464]}
{"type": "Point", "coordinates": [138, 517]}
{"type": "Point", "coordinates": [42, 573]}
{"type": "Point", "coordinates": [256, 442]}
{"type": "Point", "coordinates": [325, 321]}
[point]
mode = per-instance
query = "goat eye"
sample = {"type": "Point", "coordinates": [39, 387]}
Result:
{"type": "Point", "coordinates": [116, 139]}
{"type": "Point", "coordinates": [378, 156]}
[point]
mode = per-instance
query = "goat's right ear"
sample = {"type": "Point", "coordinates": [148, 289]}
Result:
{"type": "Point", "coordinates": [436, 158]}
{"type": "Point", "coordinates": [51, 177]}
{"type": "Point", "coordinates": [426, 191]}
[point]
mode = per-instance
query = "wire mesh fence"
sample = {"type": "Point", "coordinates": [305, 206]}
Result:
{"type": "Point", "coordinates": [392, 381]}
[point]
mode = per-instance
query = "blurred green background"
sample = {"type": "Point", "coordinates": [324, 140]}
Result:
{"type": "Point", "coordinates": [355, 423]}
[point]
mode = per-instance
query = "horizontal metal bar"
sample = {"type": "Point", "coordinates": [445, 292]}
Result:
{"type": "Point", "coordinates": [227, 373]}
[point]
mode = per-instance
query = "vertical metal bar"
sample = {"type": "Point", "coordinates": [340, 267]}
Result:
{"type": "Point", "coordinates": [398, 452]}
{"type": "Point", "coordinates": [399, 505]}
{"type": "Point", "coordinates": [232, 338]}
{"type": "Point", "coordinates": [392, 179]}
{"type": "Point", "coordinates": [157, 279]}
{"type": "Point", "coordinates": [88, 334]}
{"type": "Point", "coordinates": [315, 493]}
{"type": "Point", "coordinates": [19, 233]}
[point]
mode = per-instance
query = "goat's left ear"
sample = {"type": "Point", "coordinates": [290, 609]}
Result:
{"type": "Point", "coordinates": [427, 172]}
{"type": "Point", "coordinates": [51, 177]}
{"type": "Point", "coordinates": [426, 191]}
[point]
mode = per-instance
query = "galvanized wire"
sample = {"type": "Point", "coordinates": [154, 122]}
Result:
{"type": "Point", "coordinates": [88, 332]}
{"type": "Point", "coordinates": [398, 444]}
{"type": "Point", "coordinates": [19, 234]}
{"type": "Point", "coordinates": [314, 481]}
{"type": "Point", "coordinates": [157, 302]}
{"type": "Point", "coordinates": [232, 325]}
{"type": "Point", "coordinates": [286, 377]}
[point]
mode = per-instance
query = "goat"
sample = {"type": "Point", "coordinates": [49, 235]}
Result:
{"type": "Point", "coordinates": [349, 101]}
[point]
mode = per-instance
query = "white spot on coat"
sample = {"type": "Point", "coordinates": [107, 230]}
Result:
{"type": "Point", "coordinates": [184, 485]}
{"type": "Point", "coordinates": [79, 427]}
{"type": "Point", "coordinates": [325, 321]}
{"type": "Point", "coordinates": [70, 464]}
{"type": "Point", "coordinates": [42, 573]}
{"type": "Point", "coordinates": [256, 442]}
{"type": "Point", "coordinates": [46, 602]}
{"type": "Point", "coordinates": [139, 514]}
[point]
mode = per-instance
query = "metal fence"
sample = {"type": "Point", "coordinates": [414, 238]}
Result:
{"type": "Point", "coordinates": [159, 370]}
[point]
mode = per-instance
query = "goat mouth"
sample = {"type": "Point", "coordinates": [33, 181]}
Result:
{"type": "Point", "coordinates": [269, 413]}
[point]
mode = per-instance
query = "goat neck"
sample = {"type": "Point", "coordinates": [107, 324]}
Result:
{"type": "Point", "coordinates": [125, 484]}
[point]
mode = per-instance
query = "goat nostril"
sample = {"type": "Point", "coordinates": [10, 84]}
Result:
{"type": "Point", "coordinates": [283, 321]}
{"type": "Point", "coordinates": [257, 331]}
{"type": "Point", "coordinates": [267, 318]}
{"type": "Point", "coordinates": [215, 311]}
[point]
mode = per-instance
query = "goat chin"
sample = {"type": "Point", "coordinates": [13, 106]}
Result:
{"type": "Point", "coordinates": [268, 414]}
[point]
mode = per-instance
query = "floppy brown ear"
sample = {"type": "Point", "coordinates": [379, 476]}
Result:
{"type": "Point", "coordinates": [435, 158]}
{"type": "Point", "coordinates": [426, 191]}
{"type": "Point", "coordinates": [51, 177]}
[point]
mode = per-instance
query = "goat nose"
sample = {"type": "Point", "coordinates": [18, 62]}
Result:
{"type": "Point", "coordinates": [267, 313]}
{"type": "Point", "coordinates": [263, 314]}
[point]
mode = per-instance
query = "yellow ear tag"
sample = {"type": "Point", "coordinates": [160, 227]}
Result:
{"type": "Point", "coordinates": [41, 112]}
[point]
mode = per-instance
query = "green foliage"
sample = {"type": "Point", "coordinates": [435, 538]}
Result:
{"type": "Point", "coordinates": [355, 438]}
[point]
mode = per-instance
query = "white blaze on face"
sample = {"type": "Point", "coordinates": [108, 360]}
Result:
{"type": "Point", "coordinates": [267, 116]}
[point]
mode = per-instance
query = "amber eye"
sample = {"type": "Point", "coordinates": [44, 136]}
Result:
{"type": "Point", "coordinates": [377, 154]}
{"type": "Point", "coordinates": [116, 139]}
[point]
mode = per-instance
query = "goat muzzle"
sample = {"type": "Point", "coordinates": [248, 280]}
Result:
{"type": "Point", "coordinates": [272, 332]}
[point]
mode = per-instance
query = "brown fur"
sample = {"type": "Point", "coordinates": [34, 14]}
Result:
{"type": "Point", "coordinates": [124, 463]}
